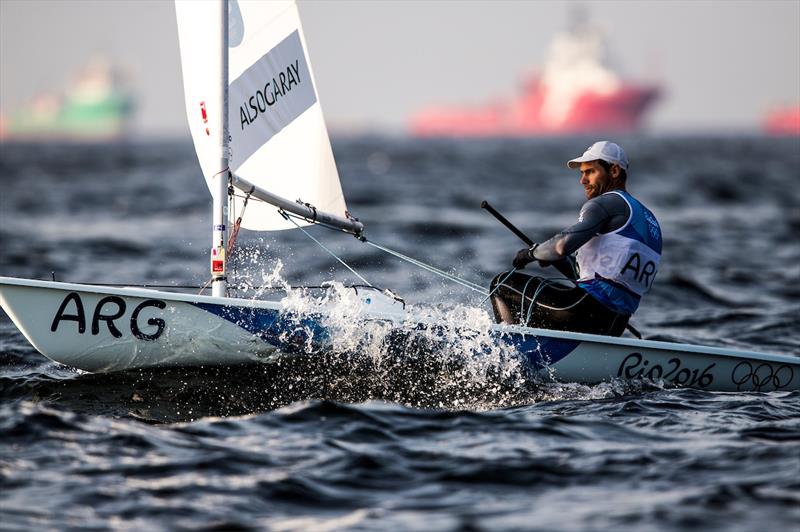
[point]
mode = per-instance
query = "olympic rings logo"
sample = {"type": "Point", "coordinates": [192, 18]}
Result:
{"type": "Point", "coordinates": [763, 376]}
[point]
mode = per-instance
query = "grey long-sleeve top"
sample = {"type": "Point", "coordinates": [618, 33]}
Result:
{"type": "Point", "coordinates": [600, 215]}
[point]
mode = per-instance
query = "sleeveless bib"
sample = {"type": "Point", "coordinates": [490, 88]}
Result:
{"type": "Point", "coordinates": [628, 256]}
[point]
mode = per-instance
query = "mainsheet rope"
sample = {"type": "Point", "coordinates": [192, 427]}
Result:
{"type": "Point", "coordinates": [427, 267]}
{"type": "Point", "coordinates": [490, 294]}
{"type": "Point", "coordinates": [320, 244]}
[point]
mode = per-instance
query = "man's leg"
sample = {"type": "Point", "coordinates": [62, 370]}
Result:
{"type": "Point", "coordinates": [507, 297]}
{"type": "Point", "coordinates": [568, 307]}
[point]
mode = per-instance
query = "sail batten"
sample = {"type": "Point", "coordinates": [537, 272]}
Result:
{"type": "Point", "coordinates": [278, 137]}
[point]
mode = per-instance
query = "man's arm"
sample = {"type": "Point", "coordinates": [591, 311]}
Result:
{"type": "Point", "coordinates": [599, 215]}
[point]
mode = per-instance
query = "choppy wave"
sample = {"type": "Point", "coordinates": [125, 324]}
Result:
{"type": "Point", "coordinates": [659, 460]}
{"type": "Point", "coordinates": [393, 427]}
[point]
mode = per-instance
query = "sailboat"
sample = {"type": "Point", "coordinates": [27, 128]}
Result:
{"type": "Point", "coordinates": [258, 129]}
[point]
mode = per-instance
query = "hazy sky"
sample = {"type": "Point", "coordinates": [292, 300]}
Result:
{"type": "Point", "coordinates": [723, 64]}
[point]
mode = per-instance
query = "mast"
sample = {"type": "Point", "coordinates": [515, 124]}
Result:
{"type": "Point", "coordinates": [219, 185]}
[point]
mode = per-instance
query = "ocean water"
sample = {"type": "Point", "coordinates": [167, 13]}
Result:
{"type": "Point", "coordinates": [388, 440]}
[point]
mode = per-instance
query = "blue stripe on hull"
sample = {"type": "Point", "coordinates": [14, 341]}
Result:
{"type": "Point", "coordinates": [292, 332]}
{"type": "Point", "coordinates": [288, 332]}
{"type": "Point", "coordinates": [539, 351]}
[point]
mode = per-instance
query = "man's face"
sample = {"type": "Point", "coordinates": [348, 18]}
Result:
{"type": "Point", "coordinates": [595, 179]}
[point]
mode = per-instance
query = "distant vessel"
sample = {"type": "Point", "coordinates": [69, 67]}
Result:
{"type": "Point", "coordinates": [576, 92]}
{"type": "Point", "coordinates": [98, 106]}
{"type": "Point", "coordinates": [783, 121]}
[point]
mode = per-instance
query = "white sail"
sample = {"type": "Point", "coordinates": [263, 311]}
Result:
{"type": "Point", "coordinates": [278, 136]}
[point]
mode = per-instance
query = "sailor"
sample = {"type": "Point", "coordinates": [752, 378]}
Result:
{"type": "Point", "coordinates": [618, 245]}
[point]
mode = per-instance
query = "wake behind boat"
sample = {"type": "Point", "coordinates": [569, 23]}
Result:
{"type": "Point", "coordinates": [269, 144]}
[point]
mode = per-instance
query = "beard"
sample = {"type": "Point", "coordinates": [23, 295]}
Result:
{"type": "Point", "coordinates": [604, 184]}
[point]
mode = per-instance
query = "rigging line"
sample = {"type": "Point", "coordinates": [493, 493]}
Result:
{"type": "Point", "coordinates": [231, 286]}
{"type": "Point", "coordinates": [544, 284]}
{"type": "Point", "coordinates": [205, 286]}
{"type": "Point", "coordinates": [320, 244]}
{"type": "Point", "coordinates": [232, 209]}
{"type": "Point", "coordinates": [317, 222]}
{"type": "Point", "coordinates": [226, 169]}
{"type": "Point", "coordinates": [490, 294]}
{"type": "Point", "coordinates": [427, 267]}
{"type": "Point", "coordinates": [532, 304]}
{"type": "Point", "coordinates": [237, 225]}
{"type": "Point", "coordinates": [133, 285]}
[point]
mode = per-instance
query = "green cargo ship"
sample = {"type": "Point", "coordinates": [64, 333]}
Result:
{"type": "Point", "coordinates": [97, 107]}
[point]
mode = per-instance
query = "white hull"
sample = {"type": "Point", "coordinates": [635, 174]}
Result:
{"type": "Point", "coordinates": [190, 336]}
{"type": "Point", "coordinates": [100, 329]}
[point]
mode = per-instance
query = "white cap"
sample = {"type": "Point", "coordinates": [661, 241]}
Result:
{"type": "Point", "coordinates": [602, 150]}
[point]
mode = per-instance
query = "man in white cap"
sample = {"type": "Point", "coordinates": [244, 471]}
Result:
{"type": "Point", "coordinates": [618, 245]}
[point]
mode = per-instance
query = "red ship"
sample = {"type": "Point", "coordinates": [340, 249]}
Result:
{"type": "Point", "coordinates": [575, 93]}
{"type": "Point", "coordinates": [784, 121]}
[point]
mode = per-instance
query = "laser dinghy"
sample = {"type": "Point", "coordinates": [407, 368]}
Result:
{"type": "Point", "coordinates": [260, 137]}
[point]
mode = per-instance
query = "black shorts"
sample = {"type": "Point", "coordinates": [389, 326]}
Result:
{"type": "Point", "coordinates": [553, 304]}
